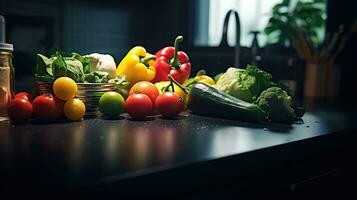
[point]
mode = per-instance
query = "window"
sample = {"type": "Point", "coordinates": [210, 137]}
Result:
{"type": "Point", "coordinates": [253, 14]}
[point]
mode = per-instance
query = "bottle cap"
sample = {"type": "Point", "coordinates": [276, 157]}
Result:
{"type": "Point", "coordinates": [3, 44]}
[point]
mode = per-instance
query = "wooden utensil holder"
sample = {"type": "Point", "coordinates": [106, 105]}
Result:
{"type": "Point", "coordinates": [321, 80]}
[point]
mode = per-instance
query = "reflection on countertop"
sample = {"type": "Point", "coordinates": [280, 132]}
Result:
{"type": "Point", "coordinates": [78, 153]}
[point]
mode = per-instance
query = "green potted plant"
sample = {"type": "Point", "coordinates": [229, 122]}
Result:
{"type": "Point", "coordinates": [296, 24]}
{"type": "Point", "coordinates": [288, 16]}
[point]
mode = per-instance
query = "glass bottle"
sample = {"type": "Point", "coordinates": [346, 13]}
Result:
{"type": "Point", "coordinates": [6, 72]}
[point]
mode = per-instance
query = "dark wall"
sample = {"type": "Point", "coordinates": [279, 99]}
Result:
{"type": "Point", "coordinates": [155, 24]}
{"type": "Point", "coordinates": [104, 26]}
{"type": "Point", "coordinates": [42, 26]}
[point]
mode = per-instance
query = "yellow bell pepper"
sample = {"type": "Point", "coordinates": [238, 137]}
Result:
{"type": "Point", "coordinates": [204, 79]}
{"type": "Point", "coordinates": [163, 84]}
{"type": "Point", "coordinates": [200, 77]}
{"type": "Point", "coordinates": [137, 65]}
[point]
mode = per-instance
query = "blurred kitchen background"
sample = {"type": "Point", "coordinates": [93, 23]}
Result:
{"type": "Point", "coordinates": [309, 45]}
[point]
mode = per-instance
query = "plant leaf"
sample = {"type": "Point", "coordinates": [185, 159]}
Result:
{"type": "Point", "coordinates": [84, 60]}
{"type": "Point", "coordinates": [59, 66]}
{"type": "Point", "coordinates": [74, 69]}
{"type": "Point", "coordinates": [96, 77]}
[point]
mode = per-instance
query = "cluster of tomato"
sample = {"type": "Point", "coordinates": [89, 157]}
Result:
{"type": "Point", "coordinates": [44, 108]}
{"type": "Point", "coordinates": [144, 99]}
{"type": "Point", "coordinates": [48, 107]}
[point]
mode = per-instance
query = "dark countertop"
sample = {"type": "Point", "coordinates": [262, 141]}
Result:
{"type": "Point", "coordinates": [96, 153]}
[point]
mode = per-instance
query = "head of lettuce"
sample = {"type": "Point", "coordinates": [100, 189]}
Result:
{"type": "Point", "coordinates": [245, 84]}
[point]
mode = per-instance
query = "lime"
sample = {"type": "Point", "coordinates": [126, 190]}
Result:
{"type": "Point", "coordinates": [111, 104]}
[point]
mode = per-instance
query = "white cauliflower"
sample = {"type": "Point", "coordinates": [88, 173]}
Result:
{"type": "Point", "coordinates": [102, 62]}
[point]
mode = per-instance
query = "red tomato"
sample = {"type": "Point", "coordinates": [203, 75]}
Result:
{"type": "Point", "coordinates": [169, 104]}
{"type": "Point", "coordinates": [138, 106]}
{"type": "Point", "coordinates": [24, 95]}
{"type": "Point", "coordinates": [47, 108]}
{"type": "Point", "coordinates": [145, 87]}
{"type": "Point", "coordinates": [19, 110]}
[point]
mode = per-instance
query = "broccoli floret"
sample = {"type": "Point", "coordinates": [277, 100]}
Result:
{"type": "Point", "coordinates": [277, 103]}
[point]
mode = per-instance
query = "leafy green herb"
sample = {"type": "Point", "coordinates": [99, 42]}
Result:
{"type": "Point", "coordinates": [43, 70]}
{"type": "Point", "coordinates": [48, 69]}
{"type": "Point", "coordinates": [75, 69]}
{"type": "Point", "coordinates": [59, 66]}
{"type": "Point", "coordinates": [84, 60]}
{"type": "Point", "coordinates": [121, 84]}
{"type": "Point", "coordinates": [96, 77]}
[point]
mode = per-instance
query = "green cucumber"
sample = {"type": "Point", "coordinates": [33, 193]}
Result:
{"type": "Point", "coordinates": [206, 100]}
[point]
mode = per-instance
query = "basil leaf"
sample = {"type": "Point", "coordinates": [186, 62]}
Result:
{"type": "Point", "coordinates": [96, 77]}
{"type": "Point", "coordinates": [84, 60]}
{"type": "Point", "coordinates": [59, 66]}
{"type": "Point", "coordinates": [120, 82]}
{"type": "Point", "coordinates": [121, 85]}
{"type": "Point", "coordinates": [43, 65]}
{"type": "Point", "coordinates": [74, 69]}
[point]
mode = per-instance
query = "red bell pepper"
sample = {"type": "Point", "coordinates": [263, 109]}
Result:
{"type": "Point", "coordinates": [171, 61]}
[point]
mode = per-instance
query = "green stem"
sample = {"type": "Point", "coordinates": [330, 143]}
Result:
{"type": "Point", "coordinates": [201, 72]}
{"type": "Point", "coordinates": [193, 82]}
{"type": "Point", "coordinates": [175, 62]}
{"type": "Point", "coordinates": [147, 59]}
{"type": "Point", "coordinates": [172, 86]}
{"type": "Point", "coordinates": [178, 84]}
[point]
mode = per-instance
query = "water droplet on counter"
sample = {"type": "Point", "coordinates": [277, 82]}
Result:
{"type": "Point", "coordinates": [308, 126]}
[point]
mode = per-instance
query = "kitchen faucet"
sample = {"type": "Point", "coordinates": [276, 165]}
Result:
{"type": "Point", "coordinates": [224, 41]}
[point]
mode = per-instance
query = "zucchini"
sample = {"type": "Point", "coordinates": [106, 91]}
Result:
{"type": "Point", "coordinates": [209, 101]}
